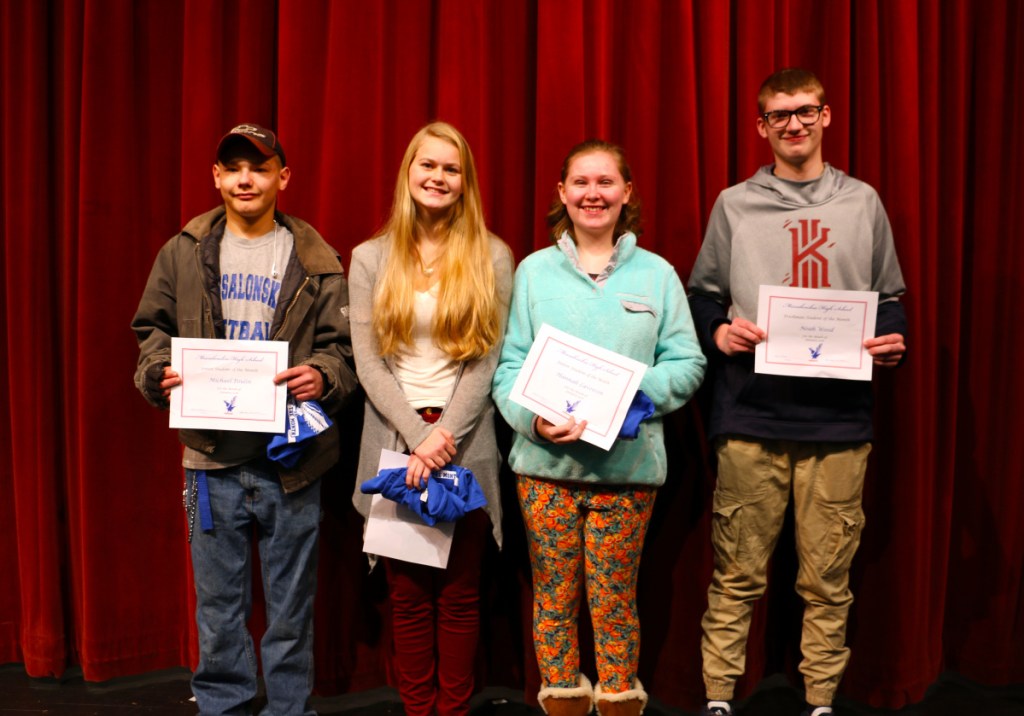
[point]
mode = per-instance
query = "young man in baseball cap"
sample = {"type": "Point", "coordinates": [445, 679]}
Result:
{"type": "Point", "coordinates": [245, 271]}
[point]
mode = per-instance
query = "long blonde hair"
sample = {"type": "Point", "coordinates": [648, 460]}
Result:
{"type": "Point", "coordinates": [466, 323]}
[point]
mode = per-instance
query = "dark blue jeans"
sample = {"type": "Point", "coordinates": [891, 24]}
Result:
{"type": "Point", "coordinates": [247, 502]}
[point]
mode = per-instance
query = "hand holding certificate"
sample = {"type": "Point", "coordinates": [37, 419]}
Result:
{"type": "Point", "coordinates": [564, 376]}
{"type": "Point", "coordinates": [815, 333]}
{"type": "Point", "coordinates": [229, 385]}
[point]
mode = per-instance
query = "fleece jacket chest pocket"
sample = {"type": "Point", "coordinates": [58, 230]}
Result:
{"type": "Point", "coordinates": [633, 305]}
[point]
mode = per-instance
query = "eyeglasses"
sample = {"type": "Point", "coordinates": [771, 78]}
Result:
{"type": "Point", "coordinates": [806, 115]}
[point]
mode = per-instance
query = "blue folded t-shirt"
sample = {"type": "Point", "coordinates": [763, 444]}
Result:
{"type": "Point", "coordinates": [640, 409]}
{"type": "Point", "coordinates": [305, 420]}
{"type": "Point", "coordinates": [450, 492]}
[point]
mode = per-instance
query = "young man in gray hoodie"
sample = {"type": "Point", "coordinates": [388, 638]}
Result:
{"type": "Point", "coordinates": [797, 222]}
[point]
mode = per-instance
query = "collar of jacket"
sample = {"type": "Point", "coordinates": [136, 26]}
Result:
{"type": "Point", "coordinates": [624, 247]}
{"type": "Point", "coordinates": [311, 260]}
{"type": "Point", "coordinates": [313, 252]}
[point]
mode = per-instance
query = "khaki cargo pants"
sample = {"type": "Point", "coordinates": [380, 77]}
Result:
{"type": "Point", "coordinates": [755, 480]}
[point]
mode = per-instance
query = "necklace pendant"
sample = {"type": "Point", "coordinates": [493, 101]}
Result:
{"type": "Point", "coordinates": [428, 271]}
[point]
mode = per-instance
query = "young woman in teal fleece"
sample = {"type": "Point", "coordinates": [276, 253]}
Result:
{"type": "Point", "coordinates": [577, 498]}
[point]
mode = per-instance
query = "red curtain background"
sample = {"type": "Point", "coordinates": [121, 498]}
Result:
{"type": "Point", "coordinates": [110, 114]}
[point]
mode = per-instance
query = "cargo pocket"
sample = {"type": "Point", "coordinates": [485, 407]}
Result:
{"type": "Point", "coordinates": [843, 540]}
{"type": "Point", "coordinates": [737, 543]}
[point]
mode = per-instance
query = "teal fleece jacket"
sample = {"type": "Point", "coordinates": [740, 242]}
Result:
{"type": "Point", "coordinates": [637, 307]}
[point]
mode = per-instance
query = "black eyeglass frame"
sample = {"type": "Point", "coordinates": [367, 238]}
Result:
{"type": "Point", "coordinates": [789, 115]}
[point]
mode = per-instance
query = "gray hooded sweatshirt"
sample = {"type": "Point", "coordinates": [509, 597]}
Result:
{"type": "Point", "coordinates": [830, 232]}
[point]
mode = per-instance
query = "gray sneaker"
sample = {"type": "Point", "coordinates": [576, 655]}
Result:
{"type": "Point", "coordinates": [810, 710]}
{"type": "Point", "coordinates": [716, 711]}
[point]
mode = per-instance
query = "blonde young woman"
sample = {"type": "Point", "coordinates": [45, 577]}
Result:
{"type": "Point", "coordinates": [429, 297]}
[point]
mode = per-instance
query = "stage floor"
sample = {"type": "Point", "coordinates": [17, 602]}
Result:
{"type": "Point", "coordinates": [166, 693]}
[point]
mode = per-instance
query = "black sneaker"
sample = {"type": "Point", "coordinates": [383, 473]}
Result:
{"type": "Point", "coordinates": [810, 710]}
{"type": "Point", "coordinates": [716, 711]}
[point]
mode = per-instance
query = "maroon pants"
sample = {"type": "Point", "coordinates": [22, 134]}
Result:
{"type": "Point", "coordinates": [435, 616]}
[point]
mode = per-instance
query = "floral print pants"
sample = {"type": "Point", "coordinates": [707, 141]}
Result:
{"type": "Point", "coordinates": [580, 533]}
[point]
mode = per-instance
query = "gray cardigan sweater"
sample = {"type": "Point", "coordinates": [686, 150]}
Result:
{"type": "Point", "coordinates": [388, 419]}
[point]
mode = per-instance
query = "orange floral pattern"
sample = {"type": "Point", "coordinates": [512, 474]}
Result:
{"type": "Point", "coordinates": [581, 533]}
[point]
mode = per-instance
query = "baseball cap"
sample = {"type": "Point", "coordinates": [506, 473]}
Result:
{"type": "Point", "coordinates": [263, 139]}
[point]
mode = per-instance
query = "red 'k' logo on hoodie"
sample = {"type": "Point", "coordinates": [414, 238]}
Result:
{"type": "Point", "coordinates": [810, 267]}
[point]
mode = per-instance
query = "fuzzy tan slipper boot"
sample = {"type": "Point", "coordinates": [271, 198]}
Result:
{"type": "Point", "coordinates": [578, 701]}
{"type": "Point", "coordinates": [626, 703]}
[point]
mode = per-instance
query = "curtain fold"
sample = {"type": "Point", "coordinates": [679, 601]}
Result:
{"type": "Point", "coordinates": [38, 570]}
{"type": "Point", "coordinates": [986, 559]}
{"type": "Point", "coordinates": [109, 118]}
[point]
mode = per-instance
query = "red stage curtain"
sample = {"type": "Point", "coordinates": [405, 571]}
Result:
{"type": "Point", "coordinates": [110, 113]}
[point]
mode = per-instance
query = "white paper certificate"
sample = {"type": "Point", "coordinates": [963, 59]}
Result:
{"type": "Point", "coordinates": [565, 376]}
{"type": "Point", "coordinates": [229, 385]}
{"type": "Point", "coordinates": [815, 333]}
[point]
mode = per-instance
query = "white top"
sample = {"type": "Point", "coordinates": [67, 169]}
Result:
{"type": "Point", "coordinates": [427, 374]}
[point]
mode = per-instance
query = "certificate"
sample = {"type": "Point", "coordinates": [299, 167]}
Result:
{"type": "Point", "coordinates": [815, 333]}
{"type": "Point", "coordinates": [397, 532]}
{"type": "Point", "coordinates": [564, 376]}
{"type": "Point", "coordinates": [229, 385]}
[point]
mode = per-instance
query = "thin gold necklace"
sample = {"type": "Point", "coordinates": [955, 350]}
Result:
{"type": "Point", "coordinates": [424, 268]}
